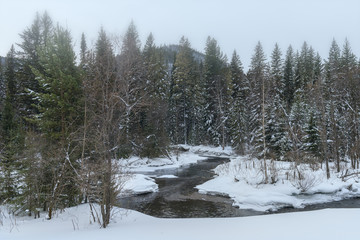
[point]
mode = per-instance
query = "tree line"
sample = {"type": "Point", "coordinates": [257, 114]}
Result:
{"type": "Point", "coordinates": [66, 119]}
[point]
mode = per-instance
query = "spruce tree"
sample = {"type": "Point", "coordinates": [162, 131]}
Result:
{"type": "Point", "coordinates": [83, 49]}
{"type": "Point", "coordinates": [276, 70]}
{"type": "Point", "coordinates": [238, 111]}
{"type": "Point", "coordinates": [312, 141]}
{"type": "Point", "coordinates": [11, 144]}
{"type": "Point", "coordinates": [33, 38]}
{"type": "Point", "coordinates": [258, 78]}
{"type": "Point", "coordinates": [183, 83]}
{"type": "Point", "coordinates": [2, 89]}
{"type": "Point", "coordinates": [60, 116]}
{"type": "Point", "coordinates": [156, 86]}
{"type": "Point", "coordinates": [275, 129]}
{"type": "Point", "coordinates": [217, 93]}
{"type": "Point", "coordinates": [132, 77]}
{"type": "Point", "coordinates": [288, 78]}
{"type": "Point", "coordinates": [351, 98]}
{"type": "Point", "coordinates": [259, 83]}
{"type": "Point", "coordinates": [335, 106]}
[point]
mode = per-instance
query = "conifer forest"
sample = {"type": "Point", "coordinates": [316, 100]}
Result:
{"type": "Point", "coordinates": [67, 118]}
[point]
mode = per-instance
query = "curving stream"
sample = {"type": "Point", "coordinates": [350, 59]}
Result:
{"type": "Point", "coordinates": [177, 197]}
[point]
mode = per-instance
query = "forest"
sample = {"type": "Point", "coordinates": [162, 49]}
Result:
{"type": "Point", "coordinates": [67, 119]}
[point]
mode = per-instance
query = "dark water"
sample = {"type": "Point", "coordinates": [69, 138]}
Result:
{"type": "Point", "coordinates": [177, 197]}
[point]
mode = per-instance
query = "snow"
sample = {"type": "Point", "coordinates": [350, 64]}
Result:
{"type": "Point", "coordinates": [243, 181]}
{"type": "Point", "coordinates": [143, 169]}
{"type": "Point", "coordinates": [139, 184]}
{"type": "Point", "coordinates": [192, 155]}
{"type": "Point", "coordinates": [167, 176]}
{"type": "Point", "coordinates": [76, 223]}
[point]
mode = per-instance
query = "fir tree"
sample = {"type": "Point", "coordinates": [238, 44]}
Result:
{"type": "Point", "coordinates": [334, 103]}
{"type": "Point", "coordinates": [238, 110]}
{"type": "Point", "coordinates": [217, 86]}
{"type": "Point", "coordinates": [156, 87]}
{"type": "Point", "coordinates": [312, 139]}
{"type": "Point", "coordinates": [258, 78]}
{"type": "Point", "coordinates": [259, 83]}
{"type": "Point", "coordinates": [2, 88]}
{"type": "Point", "coordinates": [11, 144]}
{"type": "Point", "coordinates": [33, 38]}
{"type": "Point", "coordinates": [60, 114]}
{"type": "Point", "coordinates": [83, 50]}
{"type": "Point", "coordinates": [132, 83]}
{"type": "Point", "coordinates": [181, 93]}
{"type": "Point", "coordinates": [351, 99]}
{"type": "Point", "coordinates": [276, 71]}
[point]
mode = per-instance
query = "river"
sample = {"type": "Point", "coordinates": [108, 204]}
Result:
{"type": "Point", "coordinates": [177, 197]}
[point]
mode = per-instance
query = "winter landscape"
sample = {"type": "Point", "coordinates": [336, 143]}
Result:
{"type": "Point", "coordinates": [114, 134]}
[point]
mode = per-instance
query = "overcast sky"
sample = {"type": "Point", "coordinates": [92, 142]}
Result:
{"type": "Point", "coordinates": [235, 24]}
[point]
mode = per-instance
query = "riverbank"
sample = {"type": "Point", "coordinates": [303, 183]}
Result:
{"type": "Point", "coordinates": [75, 223]}
{"type": "Point", "coordinates": [243, 180]}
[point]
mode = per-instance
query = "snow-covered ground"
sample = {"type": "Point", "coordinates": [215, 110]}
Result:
{"type": "Point", "coordinates": [192, 154]}
{"type": "Point", "coordinates": [76, 223]}
{"type": "Point", "coordinates": [140, 182]}
{"type": "Point", "coordinates": [242, 180]}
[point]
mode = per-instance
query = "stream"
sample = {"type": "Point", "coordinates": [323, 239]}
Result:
{"type": "Point", "coordinates": [178, 198]}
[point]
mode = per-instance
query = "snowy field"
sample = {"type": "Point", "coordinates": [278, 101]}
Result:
{"type": "Point", "coordinates": [76, 223]}
{"type": "Point", "coordinates": [242, 180]}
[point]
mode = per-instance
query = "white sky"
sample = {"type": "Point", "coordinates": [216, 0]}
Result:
{"type": "Point", "coordinates": [234, 24]}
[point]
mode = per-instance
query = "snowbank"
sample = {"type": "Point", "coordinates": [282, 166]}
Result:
{"type": "Point", "coordinates": [167, 176]}
{"type": "Point", "coordinates": [242, 180]}
{"type": "Point", "coordinates": [76, 223]}
{"type": "Point", "coordinates": [139, 184]}
{"type": "Point", "coordinates": [190, 155]}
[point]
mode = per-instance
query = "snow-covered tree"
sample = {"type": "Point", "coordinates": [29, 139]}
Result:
{"type": "Point", "coordinates": [217, 93]}
{"type": "Point", "coordinates": [238, 111]}
{"type": "Point", "coordinates": [182, 94]}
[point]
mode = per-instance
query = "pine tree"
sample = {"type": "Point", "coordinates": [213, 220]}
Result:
{"type": "Point", "coordinates": [297, 122]}
{"type": "Point", "coordinates": [132, 76]}
{"type": "Point", "coordinates": [183, 83]}
{"type": "Point", "coordinates": [238, 110]}
{"type": "Point", "coordinates": [334, 103]}
{"type": "Point", "coordinates": [276, 71]}
{"type": "Point", "coordinates": [33, 38]}
{"type": "Point", "coordinates": [312, 141]}
{"type": "Point", "coordinates": [217, 87]}
{"type": "Point", "coordinates": [2, 89]}
{"type": "Point", "coordinates": [258, 97]}
{"type": "Point", "coordinates": [60, 115]}
{"type": "Point", "coordinates": [275, 129]}
{"type": "Point", "coordinates": [351, 98]}
{"type": "Point", "coordinates": [11, 144]}
{"type": "Point", "coordinates": [288, 78]}
{"type": "Point", "coordinates": [156, 87]}
{"type": "Point", "coordinates": [258, 78]}
{"type": "Point", "coordinates": [83, 49]}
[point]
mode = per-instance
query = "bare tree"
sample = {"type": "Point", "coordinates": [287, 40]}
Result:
{"type": "Point", "coordinates": [101, 126]}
